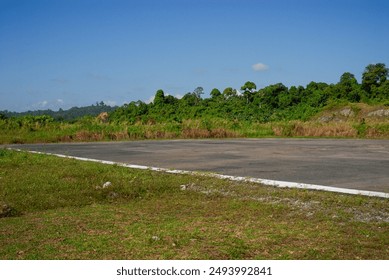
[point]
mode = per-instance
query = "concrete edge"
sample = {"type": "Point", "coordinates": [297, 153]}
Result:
{"type": "Point", "coordinates": [274, 183]}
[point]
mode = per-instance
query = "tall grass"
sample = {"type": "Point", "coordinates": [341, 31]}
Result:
{"type": "Point", "coordinates": [314, 129]}
{"type": "Point", "coordinates": [91, 129]}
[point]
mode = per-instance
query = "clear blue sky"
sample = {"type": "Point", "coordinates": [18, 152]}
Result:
{"type": "Point", "coordinates": [64, 53]}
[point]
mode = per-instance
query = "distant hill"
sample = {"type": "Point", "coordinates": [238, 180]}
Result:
{"type": "Point", "coordinates": [66, 115]}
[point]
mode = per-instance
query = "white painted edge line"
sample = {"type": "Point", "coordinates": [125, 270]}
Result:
{"type": "Point", "coordinates": [274, 183]}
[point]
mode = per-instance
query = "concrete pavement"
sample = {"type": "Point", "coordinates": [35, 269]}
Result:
{"type": "Point", "coordinates": [354, 164]}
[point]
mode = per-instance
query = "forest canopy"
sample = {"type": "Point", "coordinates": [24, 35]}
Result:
{"type": "Point", "coordinates": [272, 103]}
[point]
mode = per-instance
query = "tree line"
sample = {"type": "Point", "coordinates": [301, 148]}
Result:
{"type": "Point", "coordinates": [272, 103]}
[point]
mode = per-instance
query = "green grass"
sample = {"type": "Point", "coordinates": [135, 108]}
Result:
{"type": "Point", "coordinates": [56, 209]}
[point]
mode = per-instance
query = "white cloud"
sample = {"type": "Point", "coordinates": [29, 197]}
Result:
{"type": "Point", "coordinates": [43, 103]}
{"type": "Point", "coordinates": [260, 67]}
{"type": "Point", "coordinates": [110, 103]}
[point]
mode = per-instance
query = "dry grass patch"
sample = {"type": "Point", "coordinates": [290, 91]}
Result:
{"type": "Point", "coordinates": [315, 129]}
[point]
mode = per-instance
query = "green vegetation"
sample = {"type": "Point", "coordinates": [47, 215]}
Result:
{"type": "Point", "coordinates": [273, 103]}
{"type": "Point", "coordinates": [345, 109]}
{"type": "Point", "coordinates": [65, 115]}
{"type": "Point", "coordinates": [55, 208]}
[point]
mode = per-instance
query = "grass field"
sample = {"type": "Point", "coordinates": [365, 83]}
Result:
{"type": "Point", "coordinates": [55, 208]}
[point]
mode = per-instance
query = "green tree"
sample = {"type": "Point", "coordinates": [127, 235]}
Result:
{"type": "Point", "coordinates": [348, 81]}
{"type": "Point", "coordinates": [381, 92]}
{"type": "Point", "coordinates": [248, 91]}
{"type": "Point", "coordinates": [159, 98]}
{"type": "Point", "coordinates": [347, 88]}
{"type": "Point", "coordinates": [169, 99]}
{"type": "Point", "coordinates": [188, 100]}
{"type": "Point", "coordinates": [215, 93]}
{"type": "Point", "coordinates": [373, 76]}
{"type": "Point", "coordinates": [297, 94]}
{"type": "Point", "coordinates": [229, 92]}
{"type": "Point", "coordinates": [198, 92]}
{"type": "Point", "coordinates": [269, 95]}
{"type": "Point", "coordinates": [316, 94]}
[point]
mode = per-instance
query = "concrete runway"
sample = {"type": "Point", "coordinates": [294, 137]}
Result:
{"type": "Point", "coordinates": [353, 164]}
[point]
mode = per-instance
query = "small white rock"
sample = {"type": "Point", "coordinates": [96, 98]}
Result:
{"type": "Point", "coordinates": [183, 187]}
{"type": "Point", "coordinates": [155, 238]}
{"type": "Point", "coordinates": [107, 184]}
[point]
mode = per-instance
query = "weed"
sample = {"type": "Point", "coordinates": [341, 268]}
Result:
{"type": "Point", "coordinates": [361, 128]}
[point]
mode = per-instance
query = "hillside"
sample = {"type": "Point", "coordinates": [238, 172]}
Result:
{"type": "Point", "coordinates": [65, 115]}
{"type": "Point", "coordinates": [356, 112]}
{"type": "Point", "coordinates": [352, 120]}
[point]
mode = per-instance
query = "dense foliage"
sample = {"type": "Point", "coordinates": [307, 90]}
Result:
{"type": "Point", "coordinates": [272, 103]}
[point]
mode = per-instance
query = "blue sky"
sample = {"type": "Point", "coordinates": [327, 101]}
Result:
{"type": "Point", "coordinates": [64, 53]}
